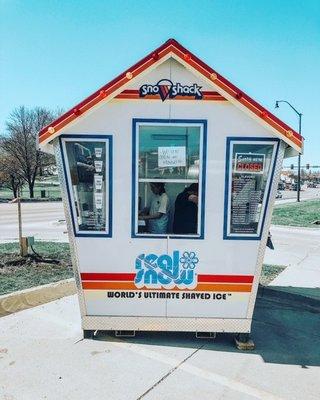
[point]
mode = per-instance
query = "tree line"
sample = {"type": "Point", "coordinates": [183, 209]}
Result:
{"type": "Point", "coordinates": [20, 159]}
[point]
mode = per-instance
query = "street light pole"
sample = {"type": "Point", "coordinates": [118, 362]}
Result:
{"type": "Point", "coordinates": [299, 163]}
{"type": "Point", "coordinates": [299, 155]}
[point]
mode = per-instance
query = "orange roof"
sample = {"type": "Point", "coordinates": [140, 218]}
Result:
{"type": "Point", "coordinates": [230, 91]}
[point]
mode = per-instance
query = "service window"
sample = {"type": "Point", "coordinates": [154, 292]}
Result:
{"type": "Point", "coordinates": [87, 164]}
{"type": "Point", "coordinates": [168, 179]}
{"type": "Point", "coordinates": [249, 173]}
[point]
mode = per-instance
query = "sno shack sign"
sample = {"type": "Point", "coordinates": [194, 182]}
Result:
{"type": "Point", "coordinates": [166, 89]}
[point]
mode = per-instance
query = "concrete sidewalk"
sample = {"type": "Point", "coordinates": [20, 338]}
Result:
{"type": "Point", "coordinates": [42, 356]}
{"type": "Point", "coordinates": [299, 250]}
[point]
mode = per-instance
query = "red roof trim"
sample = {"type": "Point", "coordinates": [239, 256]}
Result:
{"type": "Point", "coordinates": [171, 46]}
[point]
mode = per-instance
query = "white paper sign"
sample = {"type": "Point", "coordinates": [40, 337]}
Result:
{"type": "Point", "coordinates": [98, 166]}
{"type": "Point", "coordinates": [98, 181]}
{"type": "Point", "coordinates": [172, 156]}
{"type": "Point", "coordinates": [98, 199]}
{"type": "Point", "coordinates": [98, 151]}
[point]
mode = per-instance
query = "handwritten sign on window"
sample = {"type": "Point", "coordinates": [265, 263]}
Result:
{"type": "Point", "coordinates": [171, 156]}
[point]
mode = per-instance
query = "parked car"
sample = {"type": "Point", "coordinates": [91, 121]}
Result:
{"type": "Point", "coordinates": [278, 195]}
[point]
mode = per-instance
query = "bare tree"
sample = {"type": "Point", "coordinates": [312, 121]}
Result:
{"type": "Point", "coordinates": [23, 126]}
{"type": "Point", "coordinates": [10, 177]}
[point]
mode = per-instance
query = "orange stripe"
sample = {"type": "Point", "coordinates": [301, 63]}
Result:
{"type": "Point", "coordinates": [202, 287]}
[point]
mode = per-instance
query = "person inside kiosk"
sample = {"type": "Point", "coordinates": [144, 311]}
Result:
{"type": "Point", "coordinates": [157, 214]}
{"type": "Point", "coordinates": [186, 211]}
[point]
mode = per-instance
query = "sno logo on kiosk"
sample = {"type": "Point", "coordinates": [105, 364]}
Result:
{"type": "Point", "coordinates": [166, 271]}
{"type": "Point", "coordinates": [166, 89]}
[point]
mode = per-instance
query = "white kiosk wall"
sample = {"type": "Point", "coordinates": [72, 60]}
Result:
{"type": "Point", "coordinates": [133, 280]}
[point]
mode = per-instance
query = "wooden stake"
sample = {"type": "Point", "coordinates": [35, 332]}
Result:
{"type": "Point", "coordinates": [23, 244]}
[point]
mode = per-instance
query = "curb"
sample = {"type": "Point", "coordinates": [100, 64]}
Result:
{"type": "Point", "coordinates": [35, 296]}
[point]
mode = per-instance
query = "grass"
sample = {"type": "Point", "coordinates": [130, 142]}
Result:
{"type": "Point", "coordinates": [298, 214]}
{"type": "Point", "coordinates": [269, 273]}
{"type": "Point", "coordinates": [17, 273]}
{"type": "Point", "coordinates": [49, 185]}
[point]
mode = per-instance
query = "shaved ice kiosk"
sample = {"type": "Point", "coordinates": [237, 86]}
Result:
{"type": "Point", "coordinates": [168, 175]}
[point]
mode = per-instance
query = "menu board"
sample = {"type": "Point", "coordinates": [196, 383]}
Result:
{"type": "Point", "coordinates": [245, 203]}
{"type": "Point", "coordinates": [249, 176]}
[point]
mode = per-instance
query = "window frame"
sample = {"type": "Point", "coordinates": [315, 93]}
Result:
{"type": "Point", "coordinates": [202, 124]}
{"type": "Point", "coordinates": [275, 142]}
{"type": "Point", "coordinates": [109, 177]}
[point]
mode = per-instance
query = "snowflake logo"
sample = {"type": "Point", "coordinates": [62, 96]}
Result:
{"type": "Point", "coordinates": [189, 260]}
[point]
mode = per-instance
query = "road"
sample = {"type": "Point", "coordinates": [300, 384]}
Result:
{"type": "Point", "coordinates": [290, 196]}
{"type": "Point", "coordinates": [43, 220]}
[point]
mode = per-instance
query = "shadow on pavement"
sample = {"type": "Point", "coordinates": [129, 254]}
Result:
{"type": "Point", "coordinates": [285, 330]}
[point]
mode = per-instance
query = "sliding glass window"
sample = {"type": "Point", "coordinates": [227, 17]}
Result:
{"type": "Point", "coordinates": [168, 179]}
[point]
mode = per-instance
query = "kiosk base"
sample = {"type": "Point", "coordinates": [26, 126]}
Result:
{"type": "Point", "coordinates": [172, 324]}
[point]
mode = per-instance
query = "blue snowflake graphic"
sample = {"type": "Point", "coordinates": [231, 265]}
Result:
{"type": "Point", "coordinates": [189, 260]}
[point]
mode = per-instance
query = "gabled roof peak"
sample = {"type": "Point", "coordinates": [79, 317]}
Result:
{"type": "Point", "coordinates": [192, 62]}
